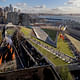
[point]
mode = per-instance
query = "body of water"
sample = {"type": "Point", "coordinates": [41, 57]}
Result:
{"type": "Point", "coordinates": [66, 17]}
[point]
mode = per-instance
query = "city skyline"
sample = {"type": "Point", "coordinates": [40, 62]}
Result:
{"type": "Point", "coordinates": [51, 6]}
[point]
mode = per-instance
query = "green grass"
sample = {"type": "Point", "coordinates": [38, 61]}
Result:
{"type": "Point", "coordinates": [26, 32]}
{"type": "Point", "coordinates": [63, 47]}
{"type": "Point", "coordinates": [65, 73]}
{"type": "Point", "coordinates": [50, 56]}
{"type": "Point", "coordinates": [51, 33]}
{"type": "Point", "coordinates": [10, 31]}
{"type": "Point", "coordinates": [55, 60]}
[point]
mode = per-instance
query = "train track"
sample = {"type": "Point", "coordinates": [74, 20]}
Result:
{"type": "Point", "coordinates": [28, 57]}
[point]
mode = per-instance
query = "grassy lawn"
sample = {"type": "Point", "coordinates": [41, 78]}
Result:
{"type": "Point", "coordinates": [55, 60]}
{"type": "Point", "coordinates": [63, 47]}
{"type": "Point", "coordinates": [74, 41]}
{"type": "Point", "coordinates": [26, 32]}
{"type": "Point", "coordinates": [51, 33]}
{"type": "Point", "coordinates": [10, 31]}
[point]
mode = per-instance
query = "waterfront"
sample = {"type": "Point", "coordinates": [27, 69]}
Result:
{"type": "Point", "coordinates": [62, 17]}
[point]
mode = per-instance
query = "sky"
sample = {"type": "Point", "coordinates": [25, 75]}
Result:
{"type": "Point", "coordinates": [54, 6]}
{"type": "Point", "coordinates": [48, 3]}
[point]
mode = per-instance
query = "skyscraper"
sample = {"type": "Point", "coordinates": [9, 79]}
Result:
{"type": "Point", "coordinates": [11, 8]}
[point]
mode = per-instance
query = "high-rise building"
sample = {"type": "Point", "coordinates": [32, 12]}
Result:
{"type": "Point", "coordinates": [1, 12]}
{"type": "Point", "coordinates": [11, 8]}
{"type": "Point", "coordinates": [6, 9]}
{"type": "Point", "coordinates": [13, 17]}
{"type": "Point", "coordinates": [15, 9]}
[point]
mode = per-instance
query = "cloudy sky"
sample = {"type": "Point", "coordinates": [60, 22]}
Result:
{"type": "Point", "coordinates": [49, 6]}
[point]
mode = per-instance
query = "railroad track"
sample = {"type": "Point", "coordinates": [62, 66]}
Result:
{"type": "Point", "coordinates": [28, 57]}
{"type": "Point", "coordinates": [31, 56]}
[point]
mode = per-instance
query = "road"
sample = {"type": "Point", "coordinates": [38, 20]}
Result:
{"type": "Point", "coordinates": [62, 56]}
